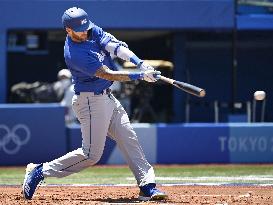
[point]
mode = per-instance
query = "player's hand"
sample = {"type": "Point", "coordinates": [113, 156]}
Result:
{"type": "Point", "coordinates": [144, 66]}
{"type": "Point", "coordinates": [151, 75]}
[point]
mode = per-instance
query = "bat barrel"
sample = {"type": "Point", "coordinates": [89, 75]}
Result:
{"type": "Point", "coordinates": [202, 93]}
{"type": "Point", "coordinates": [194, 90]}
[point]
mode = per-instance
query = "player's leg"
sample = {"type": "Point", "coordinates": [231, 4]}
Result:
{"type": "Point", "coordinates": [122, 132]}
{"type": "Point", "coordinates": [94, 114]}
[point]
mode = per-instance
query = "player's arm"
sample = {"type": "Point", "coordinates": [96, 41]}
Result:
{"type": "Point", "coordinates": [123, 52]}
{"type": "Point", "coordinates": [108, 74]}
{"type": "Point", "coordinates": [118, 48]}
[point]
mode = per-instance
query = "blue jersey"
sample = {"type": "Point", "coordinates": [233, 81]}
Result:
{"type": "Point", "coordinates": [85, 58]}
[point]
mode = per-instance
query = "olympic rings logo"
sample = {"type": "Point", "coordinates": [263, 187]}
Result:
{"type": "Point", "coordinates": [11, 140]}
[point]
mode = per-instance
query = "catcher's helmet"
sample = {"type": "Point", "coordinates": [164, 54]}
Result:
{"type": "Point", "coordinates": [76, 19]}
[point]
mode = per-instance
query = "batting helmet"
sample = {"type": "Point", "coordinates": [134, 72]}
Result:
{"type": "Point", "coordinates": [76, 19]}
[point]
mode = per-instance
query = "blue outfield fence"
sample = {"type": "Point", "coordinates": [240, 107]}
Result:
{"type": "Point", "coordinates": [37, 133]}
{"type": "Point", "coordinates": [194, 143]}
{"type": "Point", "coordinates": [215, 143]}
{"type": "Point", "coordinates": [31, 133]}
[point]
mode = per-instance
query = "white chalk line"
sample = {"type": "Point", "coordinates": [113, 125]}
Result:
{"type": "Point", "coordinates": [257, 180]}
{"type": "Point", "coordinates": [215, 195]}
{"type": "Point", "coordinates": [215, 178]}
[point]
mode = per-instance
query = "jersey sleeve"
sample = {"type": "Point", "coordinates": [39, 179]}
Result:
{"type": "Point", "coordinates": [115, 47]}
{"type": "Point", "coordinates": [100, 36]}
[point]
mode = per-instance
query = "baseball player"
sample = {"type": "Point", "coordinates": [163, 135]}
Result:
{"type": "Point", "coordinates": [87, 53]}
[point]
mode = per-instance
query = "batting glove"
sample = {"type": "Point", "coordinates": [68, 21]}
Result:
{"type": "Point", "coordinates": [151, 75]}
{"type": "Point", "coordinates": [143, 66]}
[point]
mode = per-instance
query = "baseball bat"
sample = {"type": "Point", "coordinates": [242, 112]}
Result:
{"type": "Point", "coordinates": [191, 89]}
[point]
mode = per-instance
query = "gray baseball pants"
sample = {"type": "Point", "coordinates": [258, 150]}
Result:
{"type": "Point", "coordinates": [101, 116]}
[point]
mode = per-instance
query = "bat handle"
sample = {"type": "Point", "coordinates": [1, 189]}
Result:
{"type": "Point", "coordinates": [167, 80]}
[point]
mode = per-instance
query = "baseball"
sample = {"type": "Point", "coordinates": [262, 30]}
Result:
{"type": "Point", "coordinates": [259, 95]}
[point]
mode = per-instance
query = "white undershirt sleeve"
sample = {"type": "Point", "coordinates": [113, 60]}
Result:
{"type": "Point", "coordinates": [119, 51]}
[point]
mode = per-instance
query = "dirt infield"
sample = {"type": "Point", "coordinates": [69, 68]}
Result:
{"type": "Point", "coordinates": [63, 195]}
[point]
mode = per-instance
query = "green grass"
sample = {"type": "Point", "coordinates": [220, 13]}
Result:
{"type": "Point", "coordinates": [215, 170]}
{"type": "Point", "coordinates": [122, 175]}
